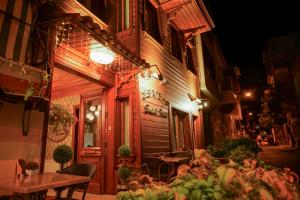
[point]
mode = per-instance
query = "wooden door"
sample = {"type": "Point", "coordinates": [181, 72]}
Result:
{"type": "Point", "coordinates": [92, 130]}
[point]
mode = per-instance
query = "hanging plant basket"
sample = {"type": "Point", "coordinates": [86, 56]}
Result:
{"type": "Point", "coordinates": [59, 123]}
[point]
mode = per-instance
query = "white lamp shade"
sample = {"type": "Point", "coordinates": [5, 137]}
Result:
{"type": "Point", "coordinates": [102, 56]}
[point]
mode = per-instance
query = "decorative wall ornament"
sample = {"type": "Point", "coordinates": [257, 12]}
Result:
{"type": "Point", "coordinates": [59, 123]}
{"type": "Point", "coordinates": [159, 112]}
{"type": "Point", "coordinates": [151, 93]}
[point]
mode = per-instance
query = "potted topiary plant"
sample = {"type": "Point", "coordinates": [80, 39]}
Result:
{"type": "Point", "coordinates": [62, 154]}
{"type": "Point", "coordinates": [124, 152]}
{"type": "Point", "coordinates": [124, 172]}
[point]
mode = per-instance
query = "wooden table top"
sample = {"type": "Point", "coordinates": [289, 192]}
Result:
{"type": "Point", "coordinates": [40, 182]}
{"type": "Point", "coordinates": [173, 159]}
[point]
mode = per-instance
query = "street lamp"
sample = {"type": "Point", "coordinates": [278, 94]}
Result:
{"type": "Point", "coordinates": [248, 94]}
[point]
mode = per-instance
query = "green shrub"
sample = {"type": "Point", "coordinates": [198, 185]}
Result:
{"type": "Point", "coordinates": [62, 154]}
{"type": "Point", "coordinates": [241, 153]}
{"type": "Point", "coordinates": [124, 173]}
{"type": "Point", "coordinates": [228, 145]}
{"type": "Point", "coordinates": [124, 151]}
{"type": "Point", "coordinates": [216, 151]}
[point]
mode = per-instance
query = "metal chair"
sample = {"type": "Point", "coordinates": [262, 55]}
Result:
{"type": "Point", "coordinates": [80, 169]}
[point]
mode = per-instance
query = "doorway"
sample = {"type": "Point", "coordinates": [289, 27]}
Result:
{"type": "Point", "coordinates": [85, 101]}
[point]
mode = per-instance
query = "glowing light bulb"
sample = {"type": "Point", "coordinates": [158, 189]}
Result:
{"type": "Point", "coordinates": [90, 116]}
{"type": "Point", "coordinates": [92, 108]}
{"type": "Point", "coordinates": [97, 113]}
{"type": "Point", "coordinates": [198, 100]}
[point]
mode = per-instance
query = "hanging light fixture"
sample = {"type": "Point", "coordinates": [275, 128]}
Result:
{"type": "Point", "coordinates": [102, 55]}
{"type": "Point", "coordinates": [90, 116]}
{"type": "Point", "coordinates": [97, 113]}
{"type": "Point", "coordinates": [202, 103]}
{"type": "Point", "coordinates": [92, 108]}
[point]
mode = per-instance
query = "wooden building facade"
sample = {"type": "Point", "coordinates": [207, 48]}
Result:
{"type": "Point", "coordinates": [147, 97]}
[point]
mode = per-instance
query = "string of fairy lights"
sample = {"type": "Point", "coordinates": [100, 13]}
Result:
{"type": "Point", "coordinates": [69, 36]}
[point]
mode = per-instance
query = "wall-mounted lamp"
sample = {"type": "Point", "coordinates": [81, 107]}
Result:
{"type": "Point", "coordinates": [152, 72]}
{"type": "Point", "coordinates": [157, 74]}
{"type": "Point", "coordinates": [201, 102]}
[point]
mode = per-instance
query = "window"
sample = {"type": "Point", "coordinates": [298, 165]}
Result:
{"type": "Point", "coordinates": [123, 14]}
{"type": "Point", "coordinates": [176, 44]}
{"type": "Point", "coordinates": [181, 130]}
{"type": "Point", "coordinates": [208, 62]}
{"type": "Point", "coordinates": [123, 114]}
{"type": "Point", "coordinates": [190, 54]}
{"type": "Point", "coordinates": [150, 21]}
{"type": "Point", "coordinates": [97, 7]}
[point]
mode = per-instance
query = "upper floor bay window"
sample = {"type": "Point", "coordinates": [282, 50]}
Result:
{"type": "Point", "coordinates": [124, 15]}
{"type": "Point", "coordinates": [181, 133]}
{"type": "Point", "coordinates": [176, 44]}
{"type": "Point", "coordinates": [150, 22]}
{"type": "Point", "coordinates": [98, 7]}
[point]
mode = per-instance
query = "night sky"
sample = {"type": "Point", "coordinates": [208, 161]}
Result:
{"type": "Point", "coordinates": [242, 27]}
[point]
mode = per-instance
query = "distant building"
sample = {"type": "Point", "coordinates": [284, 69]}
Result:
{"type": "Point", "coordinates": [281, 58]}
{"type": "Point", "coordinates": [220, 84]}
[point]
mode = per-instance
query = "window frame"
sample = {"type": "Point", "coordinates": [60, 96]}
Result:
{"type": "Point", "coordinates": [119, 139]}
{"type": "Point", "coordinates": [89, 6]}
{"type": "Point", "coordinates": [121, 19]}
{"type": "Point", "coordinates": [176, 50]}
{"type": "Point", "coordinates": [155, 33]}
{"type": "Point", "coordinates": [187, 133]}
{"type": "Point", "coordinates": [190, 64]}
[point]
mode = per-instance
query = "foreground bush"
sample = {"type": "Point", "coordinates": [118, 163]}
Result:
{"type": "Point", "coordinates": [205, 178]}
{"type": "Point", "coordinates": [224, 149]}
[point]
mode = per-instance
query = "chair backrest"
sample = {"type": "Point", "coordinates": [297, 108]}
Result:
{"type": "Point", "coordinates": [80, 169]}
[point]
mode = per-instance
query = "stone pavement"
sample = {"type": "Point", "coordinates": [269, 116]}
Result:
{"type": "Point", "coordinates": [281, 156]}
{"type": "Point", "coordinates": [89, 196]}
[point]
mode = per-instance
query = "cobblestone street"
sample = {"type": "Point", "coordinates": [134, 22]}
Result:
{"type": "Point", "coordinates": [282, 156]}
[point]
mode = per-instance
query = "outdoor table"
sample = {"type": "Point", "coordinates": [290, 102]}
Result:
{"type": "Point", "coordinates": [38, 185]}
{"type": "Point", "coordinates": [172, 162]}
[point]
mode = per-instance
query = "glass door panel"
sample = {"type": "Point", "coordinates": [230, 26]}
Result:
{"type": "Point", "coordinates": [92, 123]}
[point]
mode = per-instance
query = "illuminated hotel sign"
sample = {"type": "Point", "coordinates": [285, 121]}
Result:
{"type": "Point", "coordinates": [154, 103]}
